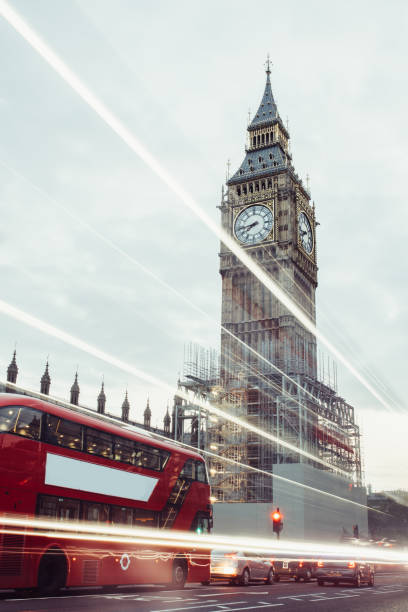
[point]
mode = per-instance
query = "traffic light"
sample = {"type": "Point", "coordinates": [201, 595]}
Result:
{"type": "Point", "coordinates": [277, 521]}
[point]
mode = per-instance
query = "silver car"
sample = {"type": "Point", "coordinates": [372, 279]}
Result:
{"type": "Point", "coordinates": [240, 567]}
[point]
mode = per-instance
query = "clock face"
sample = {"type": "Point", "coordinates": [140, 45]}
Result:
{"type": "Point", "coordinates": [305, 233]}
{"type": "Point", "coordinates": [253, 224]}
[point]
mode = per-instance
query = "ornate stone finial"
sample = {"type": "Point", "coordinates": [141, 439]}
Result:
{"type": "Point", "coordinates": [147, 415]}
{"type": "Point", "coordinates": [45, 381]}
{"type": "Point", "coordinates": [102, 399]}
{"type": "Point", "coordinates": [268, 65]}
{"type": "Point", "coordinates": [308, 184]}
{"type": "Point", "coordinates": [12, 370]}
{"type": "Point", "coordinates": [74, 393]}
{"type": "Point", "coordinates": [167, 421]}
{"type": "Point", "coordinates": [228, 170]}
{"type": "Point", "coordinates": [125, 408]}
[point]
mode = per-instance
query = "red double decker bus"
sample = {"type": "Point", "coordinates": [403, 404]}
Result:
{"type": "Point", "coordinates": [61, 464]}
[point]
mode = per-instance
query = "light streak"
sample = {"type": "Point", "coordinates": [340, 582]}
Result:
{"type": "Point", "coordinates": [55, 332]}
{"type": "Point", "coordinates": [141, 536]}
{"type": "Point", "coordinates": [61, 68]}
{"type": "Point", "coordinates": [174, 291]}
{"type": "Point", "coordinates": [104, 417]}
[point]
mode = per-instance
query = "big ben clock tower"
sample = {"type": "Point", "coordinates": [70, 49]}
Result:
{"type": "Point", "coordinates": [268, 371]}
{"type": "Point", "coordinates": [268, 211]}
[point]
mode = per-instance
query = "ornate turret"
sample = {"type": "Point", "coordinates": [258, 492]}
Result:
{"type": "Point", "coordinates": [102, 400]}
{"type": "Point", "coordinates": [74, 394]}
{"type": "Point", "coordinates": [147, 415]}
{"type": "Point", "coordinates": [167, 422]}
{"type": "Point", "coordinates": [45, 381]}
{"type": "Point", "coordinates": [267, 152]}
{"type": "Point", "coordinates": [125, 408]}
{"type": "Point", "coordinates": [12, 370]}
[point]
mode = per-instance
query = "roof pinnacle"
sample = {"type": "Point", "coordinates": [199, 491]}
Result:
{"type": "Point", "coordinates": [268, 65]}
{"type": "Point", "coordinates": [12, 369]}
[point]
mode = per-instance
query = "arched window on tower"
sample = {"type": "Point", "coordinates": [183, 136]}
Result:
{"type": "Point", "coordinates": [254, 141]}
{"type": "Point", "coordinates": [259, 139]}
{"type": "Point", "coordinates": [263, 184]}
{"type": "Point", "coordinates": [251, 188]}
{"type": "Point", "coordinates": [239, 191]}
{"type": "Point", "coordinates": [263, 138]}
{"type": "Point", "coordinates": [269, 183]}
{"type": "Point", "coordinates": [256, 186]}
{"type": "Point", "coordinates": [267, 138]}
{"type": "Point", "coordinates": [245, 189]}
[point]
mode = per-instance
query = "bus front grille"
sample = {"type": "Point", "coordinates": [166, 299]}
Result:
{"type": "Point", "coordinates": [11, 554]}
{"type": "Point", "coordinates": [90, 571]}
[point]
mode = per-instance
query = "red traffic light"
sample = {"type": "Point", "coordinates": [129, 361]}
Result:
{"type": "Point", "coordinates": [276, 517]}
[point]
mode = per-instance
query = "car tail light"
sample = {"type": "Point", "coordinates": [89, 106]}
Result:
{"type": "Point", "coordinates": [351, 564]}
{"type": "Point", "coordinates": [300, 563]}
{"type": "Point", "coordinates": [320, 564]}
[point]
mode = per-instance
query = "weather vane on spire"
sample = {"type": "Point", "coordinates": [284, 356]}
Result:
{"type": "Point", "coordinates": [268, 64]}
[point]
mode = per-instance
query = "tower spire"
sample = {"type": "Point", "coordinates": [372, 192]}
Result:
{"type": "Point", "coordinates": [45, 381]}
{"type": "Point", "coordinates": [147, 415]}
{"type": "Point", "coordinates": [267, 112]}
{"type": "Point", "coordinates": [102, 399]}
{"type": "Point", "coordinates": [12, 370]}
{"type": "Point", "coordinates": [74, 393]}
{"type": "Point", "coordinates": [167, 421]}
{"type": "Point", "coordinates": [125, 408]}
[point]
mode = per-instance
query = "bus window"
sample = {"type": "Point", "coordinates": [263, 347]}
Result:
{"type": "Point", "coordinates": [147, 457]}
{"type": "Point", "coordinates": [95, 512]}
{"type": "Point", "coordinates": [144, 518]}
{"type": "Point", "coordinates": [8, 417]}
{"type": "Point", "coordinates": [68, 509]}
{"type": "Point", "coordinates": [188, 470]}
{"type": "Point", "coordinates": [58, 507]}
{"type": "Point", "coordinates": [150, 457]}
{"type": "Point", "coordinates": [47, 505]}
{"type": "Point", "coordinates": [27, 423]}
{"type": "Point", "coordinates": [201, 474]}
{"type": "Point", "coordinates": [98, 443]}
{"type": "Point", "coordinates": [124, 450]}
{"type": "Point", "coordinates": [63, 433]}
{"type": "Point", "coordinates": [121, 516]}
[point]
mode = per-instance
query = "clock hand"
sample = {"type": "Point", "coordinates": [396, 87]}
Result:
{"type": "Point", "coordinates": [247, 227]}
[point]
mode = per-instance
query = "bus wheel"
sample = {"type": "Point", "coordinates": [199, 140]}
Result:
{"type": "Point", "coordinates": [52, 573]}
{"type": "Point", "coordinates": [179, 574]}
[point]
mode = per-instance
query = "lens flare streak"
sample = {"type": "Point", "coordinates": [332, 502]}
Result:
{"type": "Point", "coordinates": [140, 536]}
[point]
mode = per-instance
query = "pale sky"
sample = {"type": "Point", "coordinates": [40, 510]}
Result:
{"type": "Point", "coordinates": [182, 76]}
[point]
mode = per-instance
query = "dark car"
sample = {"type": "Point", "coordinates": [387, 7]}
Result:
{"type": "Point", "coordinates": [305, 570]}
{"type": "Point", "coordinates": [350, 572]}
{"type": "Point", "coordinates": [296, 569]}
{"type": "Point", "coordinates": [284, 569]}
